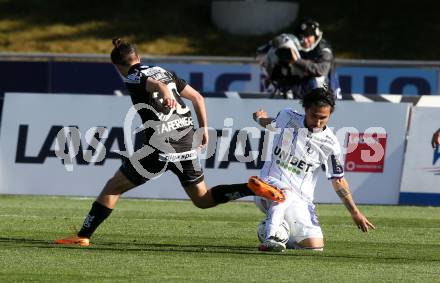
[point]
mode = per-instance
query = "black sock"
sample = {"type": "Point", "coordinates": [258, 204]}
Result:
{"type": "Point", "coordinates": [225, 193]}
{"type": "Point", "coordinates": [97, 214]}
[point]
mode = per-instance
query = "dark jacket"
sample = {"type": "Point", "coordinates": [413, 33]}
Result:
{"type": "Point", "coordinates": [316, 62]}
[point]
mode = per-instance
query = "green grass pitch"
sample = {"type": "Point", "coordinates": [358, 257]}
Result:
{"type": "Point", "coordinates": [173, 241]}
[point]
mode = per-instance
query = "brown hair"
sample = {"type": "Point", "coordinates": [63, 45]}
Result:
{"type": "Point", "coordinates": [123, 52]}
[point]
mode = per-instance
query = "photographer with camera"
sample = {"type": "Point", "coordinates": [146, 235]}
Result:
{"type": "Point", "coordinates": [296, 63]}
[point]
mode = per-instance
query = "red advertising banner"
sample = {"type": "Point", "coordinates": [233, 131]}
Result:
{"type": "Point", "coordinates": [365, 152]}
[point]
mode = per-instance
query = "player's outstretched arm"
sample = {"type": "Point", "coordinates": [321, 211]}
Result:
{"type": "Point", "coordinates": [260, 116]}
{"type": "Point", "coordinates": [435, 139]}
{"type": "Point", "coordinates": [343, 191]}
{"type": "Point", "coordinates": [199, 107]}
{"type": "Point", "coordinates": [158, 86]}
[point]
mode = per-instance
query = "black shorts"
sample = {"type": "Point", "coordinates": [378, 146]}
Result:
{"type": "Point", "coordinates": [189, 172]}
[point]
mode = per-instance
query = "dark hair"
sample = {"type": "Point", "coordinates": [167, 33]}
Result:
{"type": "Point", "coordinates": [307, 27]}
{"type": "Point", "coordinates": [319, 97]}
{"type": "Point", "coordinates": [122, 52]}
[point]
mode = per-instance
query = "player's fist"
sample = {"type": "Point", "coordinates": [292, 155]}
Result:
{"type": "Point", "coordinates": [205, 138]}
{"type": "Point", "coordinates": [260, 113]}
{"type": "Point", "coordinates": [169, 102]}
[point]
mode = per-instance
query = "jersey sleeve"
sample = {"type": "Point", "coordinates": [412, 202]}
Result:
{"type": "Point", "coordinates": [273, 124]}
{"type": "Point", "coordinates": [281, 116]}
{"type": "Point", "coordinates": [180, 83]}
{"type": "Point", "coordinates": [333, 166]}
{"type": "Point", "coordinates": [136, 83]}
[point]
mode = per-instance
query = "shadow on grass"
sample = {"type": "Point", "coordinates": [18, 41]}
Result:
{"type": "Point", "coordinates": [195, 248]}
{"type": "Point", "coordinates": [127, 246]}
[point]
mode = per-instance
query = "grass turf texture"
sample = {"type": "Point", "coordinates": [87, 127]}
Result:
{"type": "Point", "coordinates": [169, 241]}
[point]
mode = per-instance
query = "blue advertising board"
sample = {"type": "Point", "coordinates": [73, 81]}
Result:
{"type": "Point", "coordinates": [102, 78]}
{"type": "Point", "coordinates": [218, 77]}
{"type": "Point", "coordinates": [381, 80]}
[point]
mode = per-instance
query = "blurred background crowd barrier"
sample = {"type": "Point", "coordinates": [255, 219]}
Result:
{"type": "Point", "coordinates": [69, 73]}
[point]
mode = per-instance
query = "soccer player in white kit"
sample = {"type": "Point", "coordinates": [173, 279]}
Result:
{"type": "Point", "coordinates": [302, 145]}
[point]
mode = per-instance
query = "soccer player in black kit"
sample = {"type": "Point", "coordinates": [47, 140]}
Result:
{"type": "Point", "coordinates": [169, 143]}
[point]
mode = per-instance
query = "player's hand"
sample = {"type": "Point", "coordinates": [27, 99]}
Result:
{"type": "Point", "coordinates": [205, 138]}
{"type": "Point", "coordinates": [362, 222]}
{"type": "Point", "coordinates": [435, 139]}
{"type": "Point", "coordinates": [259, 114]}
{"type": "Point", "coordinates": [169, 102]}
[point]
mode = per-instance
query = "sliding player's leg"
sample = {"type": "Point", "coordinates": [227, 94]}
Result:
{"type": "Point", "coordinates": [305, 231]}
{"type": "Point", "coordinates": [275, 236]}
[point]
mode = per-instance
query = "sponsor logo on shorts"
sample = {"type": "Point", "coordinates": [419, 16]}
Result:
{"type": "Point", "coordinates": [176, 157]}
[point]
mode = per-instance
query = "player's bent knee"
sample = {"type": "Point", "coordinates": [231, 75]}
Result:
{"type": "Point", "coordinates": [201, 205]}
{"type": "Point", "coordinates": [316, 249]}
{"type": "Point", "coordinates": [200, 196]}
{"type": "Point", "coordinates": [202, 201]}
{"type": "Point", "coordinates": [316, 244]}
{"type": "Point", "coordinates": [297, 246]}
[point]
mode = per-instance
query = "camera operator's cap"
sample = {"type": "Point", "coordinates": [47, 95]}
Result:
{"type": "Point", "coordinates": [308, 27]}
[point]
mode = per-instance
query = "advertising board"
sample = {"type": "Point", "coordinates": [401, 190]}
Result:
{"type": "Point", "coordinates": [32, 164]}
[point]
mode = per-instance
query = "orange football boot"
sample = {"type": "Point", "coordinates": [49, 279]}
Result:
{"type": "Point", "coordinates": [73, 240]}
{"type": "Point", "coordinates": [264, 190]}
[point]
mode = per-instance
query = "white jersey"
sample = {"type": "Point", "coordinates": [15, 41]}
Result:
{"type": "Point", "coordinates": [297, 153]}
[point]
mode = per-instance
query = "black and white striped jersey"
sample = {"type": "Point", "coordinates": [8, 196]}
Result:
{"type": "Point", "coordinates": [172, 126]}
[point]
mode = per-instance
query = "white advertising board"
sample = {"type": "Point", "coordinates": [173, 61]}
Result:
{"type": "Point", "coordinates": [30, 123]}
{"type": "Point", "coordinates": [421, 172]}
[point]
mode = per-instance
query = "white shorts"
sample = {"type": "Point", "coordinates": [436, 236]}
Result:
{"type": "Point", "coordinates": [299, 214]}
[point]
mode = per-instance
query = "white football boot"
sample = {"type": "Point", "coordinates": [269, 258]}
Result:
{"type": "Point", "coordinates": [272, 245]}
